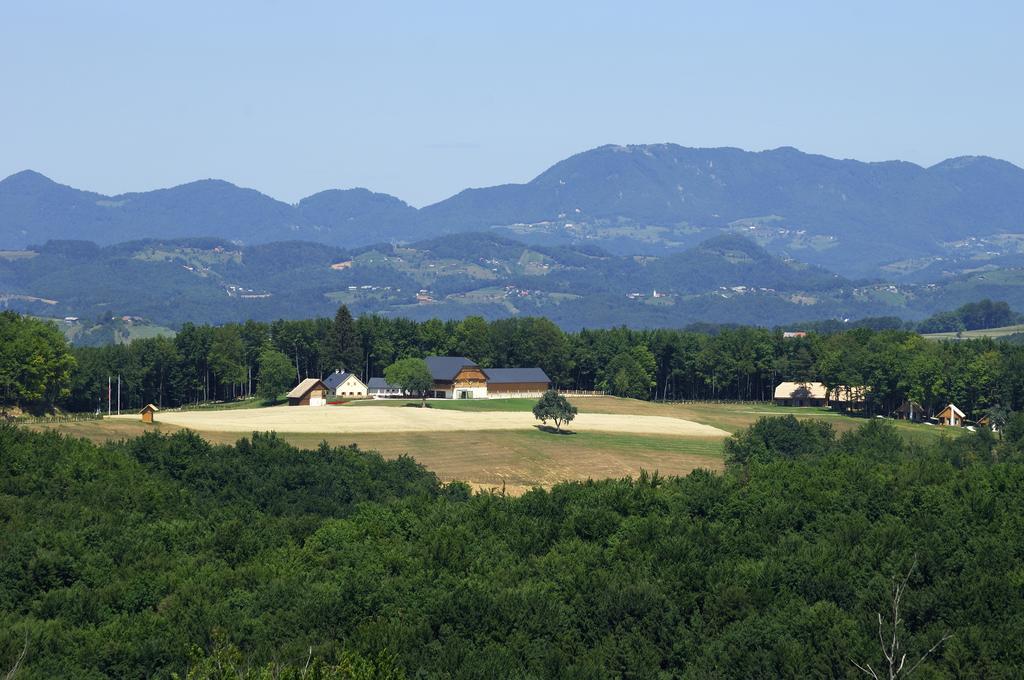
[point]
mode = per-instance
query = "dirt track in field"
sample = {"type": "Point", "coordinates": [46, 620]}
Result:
{"type": "Point", "coordinates": [381, 419]}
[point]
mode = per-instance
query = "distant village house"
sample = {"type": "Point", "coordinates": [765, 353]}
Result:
{"type": "Point", "coordinates": [345, 384]}
{"type": "Point", "coordinates": [951, 416]}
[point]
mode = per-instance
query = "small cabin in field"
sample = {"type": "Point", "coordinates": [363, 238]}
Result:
{"type": "Point", "coordinates": [951, 416]}
{"type": "Point", "coordinates": [148, 412]}
{"type": "Point", "coordinates": [309, 392]}
{"type": "Point", "coordinates": [909, 410]}
{"type": "Point", "coordinates": [801, 394]}
{"type": "Point", "coordinates": [345, 384]}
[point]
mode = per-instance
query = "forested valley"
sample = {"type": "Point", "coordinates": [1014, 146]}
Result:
{"type": "Point", "coordinates": [167, 555]}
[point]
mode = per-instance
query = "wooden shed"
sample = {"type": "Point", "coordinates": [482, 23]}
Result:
{"type": "Point", "coordinates": [147, 413]}
{"type": "Point", "coordinates": [951, 416]}
{"type": "Point", "coordinates": [309, 392]}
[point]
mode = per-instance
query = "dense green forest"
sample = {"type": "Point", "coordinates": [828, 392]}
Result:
{"type": "Point", "coordinates": [206, 362]}
{"type": "Point", "coordinates": [165, 554]}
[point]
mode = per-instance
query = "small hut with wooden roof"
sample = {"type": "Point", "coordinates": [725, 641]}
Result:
{"type": "Point", "coordinates": [148, 412]}
{"type": "Point", "coordinates": [309, 392]}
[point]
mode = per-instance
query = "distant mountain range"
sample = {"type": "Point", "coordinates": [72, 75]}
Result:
{"type": "Point", "coordinates": [725, 279]}
{"type": "Point", "coordinates": [860, 219]}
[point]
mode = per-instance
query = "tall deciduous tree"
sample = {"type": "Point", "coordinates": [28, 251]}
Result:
{"type": "Point", "coordinates": [35, 364]}
{"type": "Point", "coordinates": [276, 373]}
{"type": "Point", "coordinates": [227, 358]}
{"type": "Point", "coordinates": [412, 375]}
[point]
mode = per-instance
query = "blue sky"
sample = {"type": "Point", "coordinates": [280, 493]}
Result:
{"type": "Point", "coordinates": [424, 99]}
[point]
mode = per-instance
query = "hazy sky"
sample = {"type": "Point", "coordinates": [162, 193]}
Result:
{"type": "Point", "coordinates": [422, 99]}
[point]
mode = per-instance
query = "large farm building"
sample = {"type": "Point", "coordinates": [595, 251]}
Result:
{"type": "Point", "coordinates": [462, 378]}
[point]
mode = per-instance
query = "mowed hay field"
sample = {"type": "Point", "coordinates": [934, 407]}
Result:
{"type": "Point", "coordinates": [493, 443]}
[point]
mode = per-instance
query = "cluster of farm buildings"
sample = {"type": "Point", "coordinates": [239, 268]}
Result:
{"type": "Point", "coordinates": [852, 398]}
{"type": "Point", "coordinates": [454, 378]}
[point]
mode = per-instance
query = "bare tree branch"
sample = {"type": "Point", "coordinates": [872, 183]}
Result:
{"type": "Point", "coordinates": [17, 664]}
{"type": "Point", "coordinates": [889, 634]}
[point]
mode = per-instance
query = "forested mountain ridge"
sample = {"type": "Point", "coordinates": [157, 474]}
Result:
{"type": "Point", "coordinates": [725, 279]}
{"type": "Point", "coordinates": [848, 215]}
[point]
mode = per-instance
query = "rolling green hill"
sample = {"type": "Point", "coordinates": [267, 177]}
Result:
{"type": "Point", "coordinates": [725, 279]}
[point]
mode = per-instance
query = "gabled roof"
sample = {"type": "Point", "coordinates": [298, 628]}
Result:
{"type": "Point", "coordinates": [380, 384]}
{"type": "Point", "coordinates": [149, 407]}
{"type": "Point", "coordinates": [446, 368]}
{"type": "Point", "coordinates": [516, 375]}
{"type": "Point", "coordinates": [337, 378]}
{"type": "Point", "coordinates": [305, 386]}
{"type": "Point", "coordinates": [954, 410]}
{"type": "Point", "coordinates": [801, 390]}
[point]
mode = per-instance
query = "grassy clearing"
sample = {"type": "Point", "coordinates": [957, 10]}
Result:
{"type": "Point", "coordinates": [514, 459]}
{"type": "Point", "coordinates": [520, 459]}
{"type": "Point", "coordinates": [252, 402]}
{"type": "Point", "coordinates": [980, 333]}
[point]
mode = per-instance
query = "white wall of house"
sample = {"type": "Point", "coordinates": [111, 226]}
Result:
{"type": "Point", "coordinates": [386, 392]}
{"type": "Point", "coordinates": [352, 387]}
{"type": "Point", "coordinates": [468, 393]}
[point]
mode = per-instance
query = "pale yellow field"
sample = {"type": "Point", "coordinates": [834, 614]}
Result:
{"type": "Point", "coordinates": [382, 419]}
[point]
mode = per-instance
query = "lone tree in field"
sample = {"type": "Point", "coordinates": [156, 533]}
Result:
{"type": "Point", "coordinates": [554, 407]}
{"type": "Point", "coordinates": [412, 375]}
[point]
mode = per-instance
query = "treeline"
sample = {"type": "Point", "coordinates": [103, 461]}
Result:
{"type": "Point", "coordinates": [165, 555]}
{"type": "Point", "coordinates": [206, 362]}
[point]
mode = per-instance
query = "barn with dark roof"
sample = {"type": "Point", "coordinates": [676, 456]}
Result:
{"type": "Point", "coordinates": [516, 381]}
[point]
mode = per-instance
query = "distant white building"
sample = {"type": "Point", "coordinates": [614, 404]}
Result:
{"type": "Point", "coordinates": [378, 388]}
{"type": "Point", "coordinates": [345, 384]}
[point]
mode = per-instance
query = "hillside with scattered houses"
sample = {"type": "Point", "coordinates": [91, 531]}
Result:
{"type": "Point", "coordinates": [857, 218]}
{"type": "Point", "coordinates": [725, 279]}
